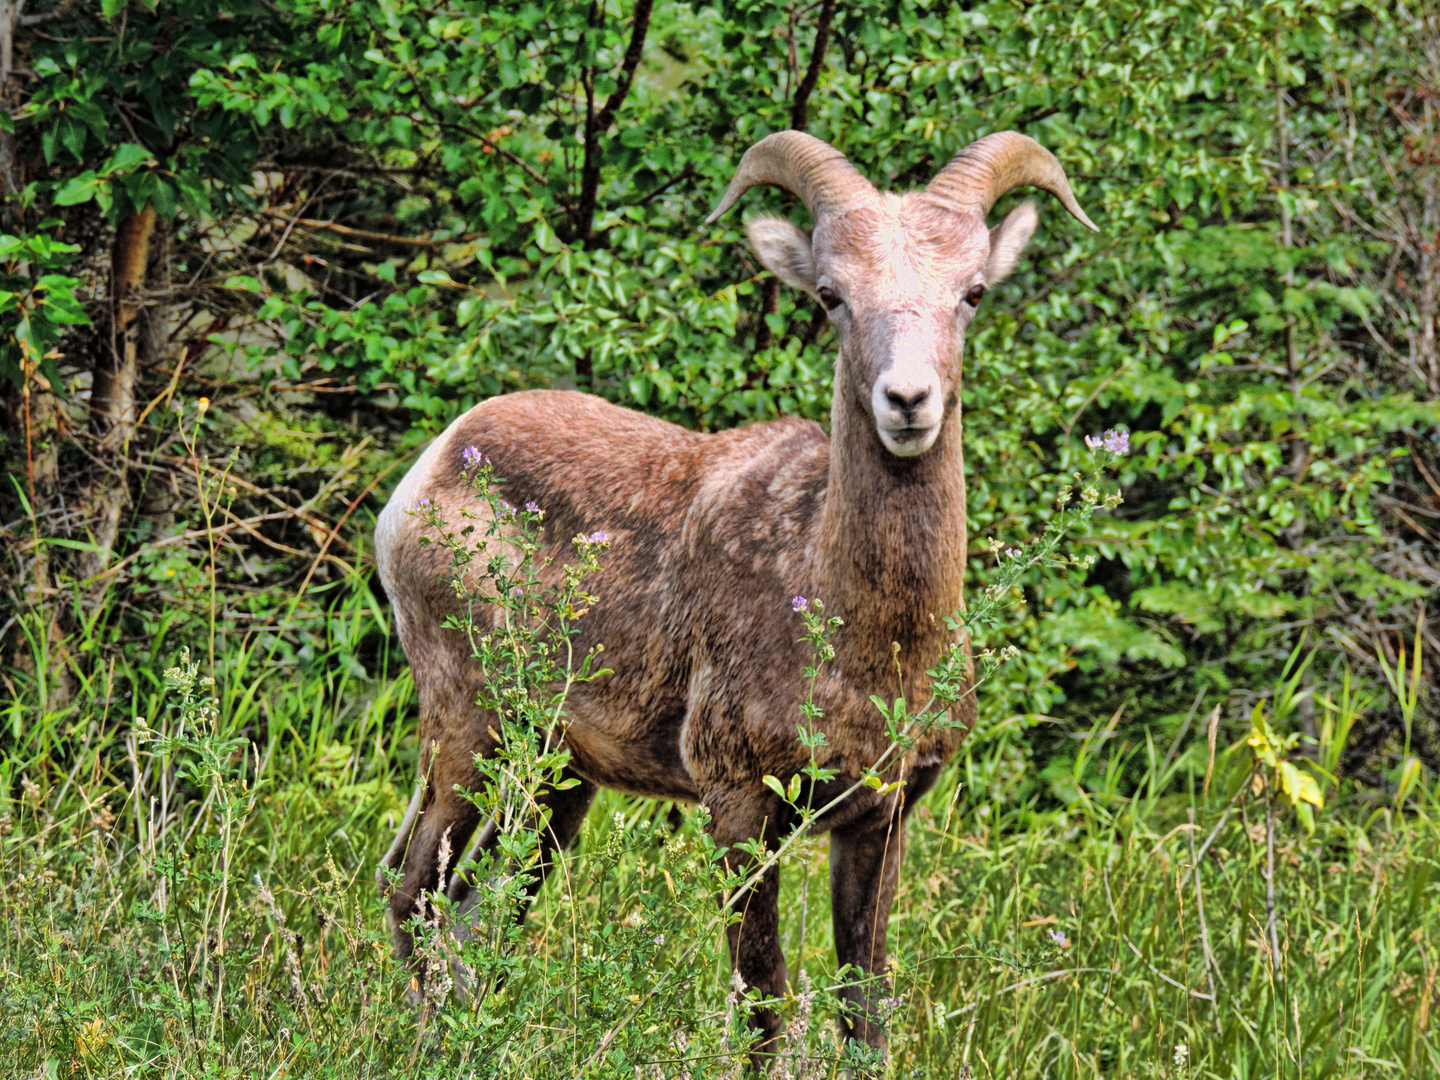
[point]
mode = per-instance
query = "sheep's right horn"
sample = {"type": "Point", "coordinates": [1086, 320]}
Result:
{"type": "Point", "coordinates": [810, 167]}
{"type": "Point", "coordinates": [989, 167]}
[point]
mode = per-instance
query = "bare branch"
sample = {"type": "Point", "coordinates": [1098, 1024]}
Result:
{"type": "Point", "coordinates": [365, 234]}
{"type": "Point", "coordinates": [799, 109]}
{"type": "Point", "coordinates": [583, 217]}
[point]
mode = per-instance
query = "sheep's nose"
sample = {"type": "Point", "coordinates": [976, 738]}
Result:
{"type": "Point", "coordinates": [907, 398]}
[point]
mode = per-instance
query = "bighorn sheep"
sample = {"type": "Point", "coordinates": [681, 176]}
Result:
{"type": "Point", "coordinates": [712, 535]}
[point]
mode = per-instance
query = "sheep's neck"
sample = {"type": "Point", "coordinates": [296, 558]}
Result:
{"type": "Point", "coordinates": [893, 543]}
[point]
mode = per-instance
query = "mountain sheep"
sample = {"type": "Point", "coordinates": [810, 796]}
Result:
{"type": "Point", "coordinates": [713, 534]}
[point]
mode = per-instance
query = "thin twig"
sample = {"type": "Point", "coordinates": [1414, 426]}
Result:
{"type": "Point", "coordinates": [1141, 956]}
{"type": "Point", "coordinates": [1212, 966]}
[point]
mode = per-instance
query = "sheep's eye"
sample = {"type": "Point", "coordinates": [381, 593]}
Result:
{"type": "Point", "coordinates": [828, 297]}
{"type": "Point", "coordinates": [975, 295]}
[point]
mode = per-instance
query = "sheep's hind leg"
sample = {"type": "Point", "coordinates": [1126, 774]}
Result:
{"type": "Point", "coordinates": [567, 807]}
{"type": "Point", "coordinates": [439, 817]}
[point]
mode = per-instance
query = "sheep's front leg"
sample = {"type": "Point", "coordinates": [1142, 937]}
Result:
{"type": "Point", "coordinates": [864, 868]}
{"type": "Point", "coordinates": [755, 952]}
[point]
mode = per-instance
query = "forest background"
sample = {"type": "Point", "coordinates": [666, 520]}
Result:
{"type": "Point", "coordinates": [256, 254]}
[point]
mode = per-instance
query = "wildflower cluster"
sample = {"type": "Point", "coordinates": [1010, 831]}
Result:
{"type": "Point", "coordinates": [1114, 441]}
{"type": "Point", "coordinates": [520, 619]}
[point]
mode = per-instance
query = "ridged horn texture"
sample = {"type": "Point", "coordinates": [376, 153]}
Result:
{"type": "Point", "coordinates": [810, 167]}
{"type": "Point", "coordinates": [986, 169]}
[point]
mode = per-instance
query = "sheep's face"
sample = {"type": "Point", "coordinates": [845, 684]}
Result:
{"type": "Point", "coordinates": [900, 280]}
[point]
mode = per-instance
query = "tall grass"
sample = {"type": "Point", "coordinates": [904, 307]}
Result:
{"type": "Point", "coordinates": [190, 893]}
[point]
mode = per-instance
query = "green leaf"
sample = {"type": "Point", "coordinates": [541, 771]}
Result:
{"type": "Point", "coordinates": [163, 199]}
{"type": "Point", "coordinates": [126, 157]}
{"type": "Point", "coordinates": [467, 309]}
{"type": "Point", "coordinates": [74, 136]}
{"type": "Point", "coordinates": [77, 190]}
{"type": "Point", "coordinates": [774, 784]}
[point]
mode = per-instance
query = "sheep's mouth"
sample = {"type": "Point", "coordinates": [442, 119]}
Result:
{"type": "Point", "coordinates": [909, 441]}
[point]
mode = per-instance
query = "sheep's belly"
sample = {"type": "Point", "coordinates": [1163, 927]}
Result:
{"type": "Point", "coordinates": [642, 763]}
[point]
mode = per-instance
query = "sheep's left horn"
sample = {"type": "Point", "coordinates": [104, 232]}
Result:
{"type": "Point", "coordinates": [810, 167]}
{"type": "Point", "coordinates": [986, 169]}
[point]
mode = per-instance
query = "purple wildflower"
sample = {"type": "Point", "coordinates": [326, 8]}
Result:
{"type": "Point", "coordinates": [420, 506]}
{"type": "Point", "coordinates": [800, 604]}
{"type": "Point", "coordinates": [506, 510]}
{"type": "Point", "coordinates": [532, 507]}
{"type": "Point", "coordinates": [1113, 441]}
{"type": "Point", "coordinates": [597, 538]}
{"type": "Point", "coordinates": [472, 458]}
{"type": "Point", "coordinates": [1059, 938]}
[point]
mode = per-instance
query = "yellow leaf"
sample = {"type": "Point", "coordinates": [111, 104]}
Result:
{"type": "Point", "coordinates": [1310, 791]}
{"type": "Point", "coordinates": [1299, 787]}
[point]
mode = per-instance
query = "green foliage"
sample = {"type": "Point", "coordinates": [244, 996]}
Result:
{"type": "Point", "coordinates": [112, 112]}
{"type": "Point", "coordinates": [1220, 314]}
{"type": "Point", "coordinates": [462, 200]}
{"type": "Point", "coordinates": [35, 308]}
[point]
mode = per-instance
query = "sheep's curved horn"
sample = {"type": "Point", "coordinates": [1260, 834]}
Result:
{"type": "Point", "coordinates": [810, 167]}
{"type": "Point", "coordinates": [989, 167]}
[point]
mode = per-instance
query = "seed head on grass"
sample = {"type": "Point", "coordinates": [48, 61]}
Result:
{"type": "Point", "coordinates": [442, 859]}
{"type": "Point", "coordinates": [292, 960]}
{"type": "Point", "coordinates": [794, 1065]}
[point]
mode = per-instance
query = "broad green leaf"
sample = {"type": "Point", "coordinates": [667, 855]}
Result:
{"type": "Point", "coordinates": [77, 190]}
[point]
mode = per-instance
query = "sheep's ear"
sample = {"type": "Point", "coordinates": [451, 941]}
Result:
{"type": "Point", "coordinates": [784, 249]}
{"type": "Point", "coordinates": [1007, 240]}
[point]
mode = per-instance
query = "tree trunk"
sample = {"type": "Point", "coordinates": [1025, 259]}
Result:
{"type": "Point", "coordinates": [112, 398]}
{"type": "Point", "coordinates": [598, 123]}
{"type": "Point", "coordinates": [36, 412]}
{"type": "Point", "coordinates": [9, 95]}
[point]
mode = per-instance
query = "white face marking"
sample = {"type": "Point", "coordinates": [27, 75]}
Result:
{"type": "Point", "coordinates": [908, 398]}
